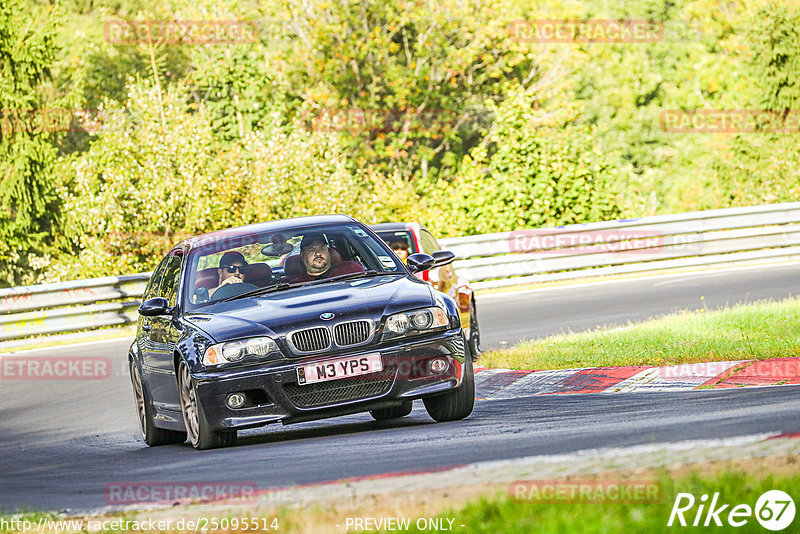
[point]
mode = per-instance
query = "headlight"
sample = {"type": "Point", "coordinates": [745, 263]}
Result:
{"type": "Point", "coordinates": [259, 348]}
{"type": "Point", "coordinates": [415, 322]}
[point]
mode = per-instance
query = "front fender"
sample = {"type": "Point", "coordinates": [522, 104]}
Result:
{"type": "Point", "coordinates": [451, 307]}
{"type": "Point", "coordinates": [191, 348]}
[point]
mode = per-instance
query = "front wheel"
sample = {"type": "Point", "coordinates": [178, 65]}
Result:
{"type": "Point", "coordinates": [200, 435]}
{"type": "Point", "coordinates": [152, 435]}
{"type": "Point", "coordinates": [456, 404]}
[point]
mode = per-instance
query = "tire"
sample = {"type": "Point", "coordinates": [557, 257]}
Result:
{"type": "Point", "coordinates": [474, 332]}
{"type": "Point", "coordinates": [151, 434]}
{"type": "Point", "coordinates": [456, 404]}
{"type": "Point", "coordinates": [392, 413]}
{"type": "Point", "coordinates": [200, 435]}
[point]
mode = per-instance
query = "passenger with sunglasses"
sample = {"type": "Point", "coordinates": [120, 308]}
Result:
{"type": "Point", "coordinates": [400, 247]}
{"type": "Point", "coordinates": [231, 269]}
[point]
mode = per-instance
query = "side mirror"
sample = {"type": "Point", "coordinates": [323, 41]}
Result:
{"type": "Point", "coordinates": [420, 262]}
{"type": "Point", "coordinates": [443, 257]}
{"type": "Point", "coordinates": [154, 306]}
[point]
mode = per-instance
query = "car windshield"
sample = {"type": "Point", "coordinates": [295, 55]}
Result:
{"type": "Point", "coordinates": [398, 240]}
{"type": "Point", "coordinates": [227, 267]}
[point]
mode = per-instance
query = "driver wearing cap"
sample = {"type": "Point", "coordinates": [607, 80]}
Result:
{"type": "Point", "coordinates": [231, 269]}
{"type": "Point", "coordinates": [318, 260]}
{"type": "Point", "coordinates": [315, 255]}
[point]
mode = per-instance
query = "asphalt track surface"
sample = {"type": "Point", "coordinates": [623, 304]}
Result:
{"type": "Point", "coordinates": [62, 442]}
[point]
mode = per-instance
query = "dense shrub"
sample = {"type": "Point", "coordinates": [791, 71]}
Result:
{"type": "Point", "coordinates": [537, 168]}
{"type": "Point", "coordinates": [149, 180]}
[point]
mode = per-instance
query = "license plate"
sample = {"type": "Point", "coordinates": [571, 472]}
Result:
{"type": "Point", "coordinates": [339, 368]}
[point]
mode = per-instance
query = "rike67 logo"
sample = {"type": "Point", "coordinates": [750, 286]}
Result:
{"type": "Point", "coordinates": [774, 510]}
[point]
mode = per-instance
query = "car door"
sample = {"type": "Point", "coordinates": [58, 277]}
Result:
{"type": "Point", "coordinates": [445, 279]}
{"type": "Point", "coordinates": [164, 333]}
{"type": "Point", "coordinates": [442, 278]}
{"type": "Point", "coordinates": [144, 334]}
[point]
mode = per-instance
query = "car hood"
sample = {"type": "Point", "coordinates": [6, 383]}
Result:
{"type": "Point", "coordinates": [276, 314]}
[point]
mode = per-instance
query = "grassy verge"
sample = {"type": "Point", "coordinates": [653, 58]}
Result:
{"type": "Point", "coordinates": [743, 332]}
{"type": "Point", "coordinates": [504, 514]}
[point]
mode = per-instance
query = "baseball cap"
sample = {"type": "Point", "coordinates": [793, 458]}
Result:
{"type": "Point", "coordinates": [231, 257]}
{"type": "Point", "coordinates": [308, 239]}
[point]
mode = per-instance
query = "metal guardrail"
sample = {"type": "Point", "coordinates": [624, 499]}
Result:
{"type": "Point", "coordinates": [732, 236]}
{"type": "Point", "coordinates": [70, 306]}
{"type": "Point", "coordinates": [707, 238]}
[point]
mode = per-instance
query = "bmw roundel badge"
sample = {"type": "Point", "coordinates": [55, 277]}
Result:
{"type": "Point", "coordinates": [327, 316]}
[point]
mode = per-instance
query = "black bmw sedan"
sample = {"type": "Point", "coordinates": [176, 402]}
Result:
{"type": "Point", "coordinates": [290, 321]}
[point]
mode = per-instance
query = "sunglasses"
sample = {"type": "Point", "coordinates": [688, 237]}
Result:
{"type": "Point", "coordinates": [234, 268]}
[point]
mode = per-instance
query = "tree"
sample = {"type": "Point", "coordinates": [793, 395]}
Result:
{"type": "Point", "coordinates": [157, 172]}
{"type": "Point", "coordinates": [765, 166]}
{"type": "Point", "coordinates": [28, 203]}
{"type": "Point", "coordinates": [775, 45]}
{"type": "Point", "coordinates": [406, 81]}
{"type": "Point", "coordinates": [537, 167]}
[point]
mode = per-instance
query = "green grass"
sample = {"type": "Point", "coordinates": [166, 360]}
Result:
{"type": "Point", "coordinates": [9, 521]}
{"type": "Point", "coordinates": [743, 332]}
{"type": "Point", "coordinates": [503, 514]}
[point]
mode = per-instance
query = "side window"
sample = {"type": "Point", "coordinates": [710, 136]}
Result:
{"type": "Point", "coordinates": [429, 244]}
{"type": "Point", "coordinates": [169, 284]}
{"type": "Point", "coordinates": [155, 281]}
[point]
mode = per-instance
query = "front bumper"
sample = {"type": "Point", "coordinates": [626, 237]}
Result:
{"type": "Point", "coordinates": [275, 396]}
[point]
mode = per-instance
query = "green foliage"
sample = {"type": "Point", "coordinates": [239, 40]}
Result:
{"type": "Point", "coordinates": [419, 73]}
{"type": "Point", "coordinates": [27, 198]}
{"type": "Point", "coordinates": [540, 169]}
{"type": "Point", "coordinates": [776, 52]}
{"type": "Point", "coordinates": [398, 110]}
{"type": "Point", "coordinates": [766, 166]}
{"type": "Point", "coordinates": [157, 173]}
{"type": "Point", "coordinates": [237, 89]}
